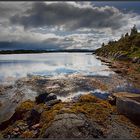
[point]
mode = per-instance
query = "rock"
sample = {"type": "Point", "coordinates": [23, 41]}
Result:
{"type": "Point", "coordinates": [41, 98]}
{"type": "Point", "coordinates": [23, 128]}
{"type": "Point", "coordinates": [72, 126]}
{"type": "Point", "coordinates": [16, 129]}
{"type": "Point", "coordinates": [0, 104]}
{"type": "Point", "coordinates": [33, 118]}
{"type": "Point", "coordinates": [136, 60]}
{"type": "Point", "coordinates": [112, 100]}
{"type": "Point", "coordinates": [36, 126]}
{"type": "Point", "coordinates": [53, 102]}
{"type": "Point", "coordinates": [117, 71]}
{"type": "Point", "coordinates": [122, 57]}
{"type": "Point", "coordinates": [15, 134]}
{"type": "Point", "coordinates": [20, 127]}
{"type": "Point", "coordinates": [51, 96]}
{"type": "Point", "coordinates": [128, 104]}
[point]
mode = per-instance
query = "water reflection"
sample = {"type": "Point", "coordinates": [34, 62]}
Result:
{"type": "Point", "coordinates": [51, 64]}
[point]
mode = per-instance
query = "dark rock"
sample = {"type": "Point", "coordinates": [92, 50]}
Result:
{"type": "Point", "coordinates": [51, 96]}
{"type": "Point", "coordinates": [42, 98]}
{"type": "Point", "coordinates": [53, 102]}
{"type": "Point", "coordinates": [121, 57]}
{"type": "Point", "coordinates": [112, 100]}
{"type": "Point", "coordinates": [118, 71]}
{"type": "Point", "coordinates": [72, 126]}
{"type": "Point", "coordinates": [128, 104]}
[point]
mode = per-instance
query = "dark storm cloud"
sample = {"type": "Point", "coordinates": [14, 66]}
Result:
{"type": "Point", "coordinates": [70, 16]}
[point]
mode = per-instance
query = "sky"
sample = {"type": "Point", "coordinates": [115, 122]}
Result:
{"type": "Point", "coordinates": [65, 25]}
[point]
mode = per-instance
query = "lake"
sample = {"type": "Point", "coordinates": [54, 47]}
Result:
{"type": "Point", "coordinates": [68, 75]}
{"type": "Point", "coordinates": [15, 66]}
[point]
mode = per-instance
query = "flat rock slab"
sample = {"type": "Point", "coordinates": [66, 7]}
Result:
{"type": "Point", "coordinates": [128, 104]}
{"type": "Point", "coordinates": [126, 95]}
{"type": "Point", "coordinates": [70, 125]}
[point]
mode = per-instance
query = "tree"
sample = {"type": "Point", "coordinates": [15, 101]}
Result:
{"type": "Point", "coordinates": [126, 35]}
{"type": "Point", "coordinates": [103, 44]}
{"type": "Point", "coordinates": [134, 30]}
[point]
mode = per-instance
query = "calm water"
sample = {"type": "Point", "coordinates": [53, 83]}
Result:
{"type": "Point", "coordinates": [50, 64]}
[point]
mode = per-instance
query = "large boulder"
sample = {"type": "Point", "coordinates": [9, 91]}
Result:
{"type": "Point", "coordinates": [128, 104]}
{"type": "Point", "coordinates": [72, 126]}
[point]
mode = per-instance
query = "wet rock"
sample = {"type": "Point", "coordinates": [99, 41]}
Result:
{"type": "Point", "coordinates": [72, 126]}
{"type": "Point", "coordinates": [51, 96]}
{"type": "Point", "coordinates": [53, 102]}
{"type": "Point", "coordinates": [41, 98]}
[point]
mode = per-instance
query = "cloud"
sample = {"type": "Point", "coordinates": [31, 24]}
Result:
{"type": "Point", "coordinates": [70, 16]}
{"type": "Point", "coordinates": [63, 25]}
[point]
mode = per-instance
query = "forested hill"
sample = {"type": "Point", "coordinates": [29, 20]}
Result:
{"type": "Point", "coordinates": [126, 48]}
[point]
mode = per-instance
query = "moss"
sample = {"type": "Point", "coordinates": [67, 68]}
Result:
{"type": "Point", "coordinates": [27, 134]}
{"type": "Point", "coordinates": [138, 69]}
{"type": "Point", "coordinates": [18, 123]}
{"type": "Point", "coordinates": [127, 122]}
{"type": "Point", "coordinates": [1, 136]}
{"type": "Point", "coordinates": [94, 108]}
{"type": "Point", "coordinates": [8, 130]}
{"type": "Point", "coordinates": [48, 116]}
{"type": "Point", "coordinates": [88, 98]}
{"type": "Point", "coordinates": [25, 106]}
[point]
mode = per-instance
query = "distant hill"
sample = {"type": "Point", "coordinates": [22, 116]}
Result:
{"type": "Point", "coordinates": [45, 51]}
{"type": "Point", "coordinates": [126, 48]}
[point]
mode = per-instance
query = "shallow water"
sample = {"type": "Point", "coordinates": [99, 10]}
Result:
{"type": "Point", "coordinates": [68, 75]}
{"type": "Point", "coordinates": [50, 64]}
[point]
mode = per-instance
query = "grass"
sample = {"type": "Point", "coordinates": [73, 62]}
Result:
{"type": "Point", "coordinates": [25, 106]}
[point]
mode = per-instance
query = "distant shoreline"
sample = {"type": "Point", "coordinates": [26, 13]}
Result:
{"type": "Point", "coordinates": [45, 51]}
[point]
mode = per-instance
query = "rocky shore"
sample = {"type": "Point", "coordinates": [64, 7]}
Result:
{"type": "Point", "coordinates": [126, 69]}
{"type": "Point", "coordinates": [55, 111]}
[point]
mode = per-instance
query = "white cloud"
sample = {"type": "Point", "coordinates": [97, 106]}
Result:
{"type": "Point", "coordinates": [93, 26]}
